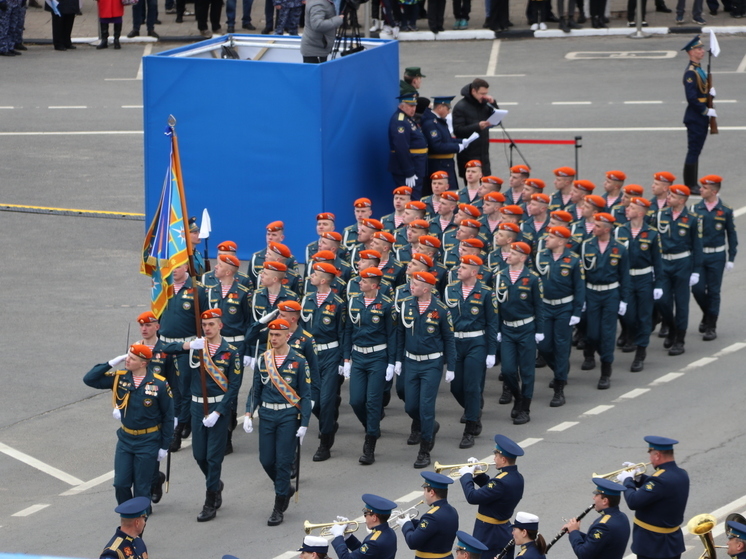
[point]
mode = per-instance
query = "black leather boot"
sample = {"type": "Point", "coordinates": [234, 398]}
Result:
{"type": "Point", "coordinates": [637, 362]}
{"type": "Point", "coordinates": [678, 346]}
{"type": "Point", "coordinates": [467, 440]}
{"type": "Point", "coordinates": [605, 381]}
{"type": "Point", "coordinates": [117, 34]}
{"type": "Point", "coordinates": [564, 24]}
{"type": "Point", "coordinates": [589, 361]}
{"type": "Point", "coordinates": [287, 498]}
{"type": "Point", "coordinates": [208, 510]}
{"type": "Point", "coordinates": [690, 178]}
{"type": "Point", "coordinates": [423, 456]}
{"type": "Point", "coordinates": [323, 452]}
{"type": "Point", "coordinates": [104, 44]}
{"type": "Point", "coordinates": [176, 441]}
{"type": "Point", "coordinates": [219, 496]}
{"type": "Point", "coordinates": [559, 394]}
{"type": "Point", "coordinates": [506, 397]}
{"type": "Point", "coordinates": [276, 518]}
{"type": "Point", "coordinates": [369, 449]}
{"type": "Point", "coordinates": [156, 491]}
{"type": "Point", "coordinates": [670, 337]}
{"type": "Point", "coordinates": [711, 328]}
{"type": "Point", "coordinates": [414, 436]}
{"type": "Point", "coordinates": [516, 406]}
{"type": "Point", "coordinates": [523, 416]}
{"type": "Point", "coordinates": [703, 323]}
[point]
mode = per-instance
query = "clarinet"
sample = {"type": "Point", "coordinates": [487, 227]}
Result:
{"type": "Point", "coordinates": [506, 550]}
{"type": "Point", "coordinates": [564, 530]}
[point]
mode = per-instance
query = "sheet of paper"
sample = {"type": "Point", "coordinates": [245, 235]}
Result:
{"type": "Point", "coordinates": [497, 117]}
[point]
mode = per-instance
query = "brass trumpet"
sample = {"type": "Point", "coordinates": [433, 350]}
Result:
{"type": "Point", "coordinates": [611, 476]}
{"type": "Point", "coordinates": [451, 470]}
{"type": "Point", "coordinates": [702, 526]}
{"type": "Point", "coordinates": [395, 514]}
{"type": "Point", "coordinates": [325, 528]}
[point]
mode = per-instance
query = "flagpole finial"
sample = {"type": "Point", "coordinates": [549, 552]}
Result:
{"type": "Point", "coordinates": [171, 120]}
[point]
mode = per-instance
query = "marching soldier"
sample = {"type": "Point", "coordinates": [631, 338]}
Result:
{"type": "Point", "coordinates": [228, 247]}
{"type": "Point", "coordinates": [338, 285]}
{"type": "Point", "coordinates": [506, 235]}
{"type": "Point", "coordinates": [413, 211]}
{"type": "Point", "coordinates": [370, 355]}
{"type": "Point", "coordinates": [392, 221]}
{"type": "Point", "coordinates": [619, 211]}
{"type": "Point", "coordinates": [365, 233]}
{"type": "Point", "coordinates": [537, 219]}
{"type": "Point", "coordinates": [717, 225]}
{"type": "Point", "coordinates": [435, 531]}
{"type": "Point", "coordinates": [270, 293]}
{"type": "Point", "coordinates": [439, 182]}
{"type": "Point", "coordinates": [379, 544]}
{"type": "Point", "coordinates": [613, 189]}
{"type": "Point", "coordinates": [496, 498]}
{"type": "Point", "coordinates": [608, 535]}
{"type": "Point", "coordinates": [659, 501]}
{"type": "Point", "coordinates": [582, 230]}
{"type": "Point", "coordinates": [408, 161]}
{"type": "Point", "coordinates": [127, 540]}
{"type": "Point", "coordinates": [491, 218]}
{"type": "Point", "coordinates": [441, 145]}
{"type": "Point", "coordinates": [473, 179]}
{"type": "Point", "coordinates": [662, 182]}
{"type": "Point", "coordinates": [368, 259]}
{"type": "Point", "coordinates": [415, 230]}
{"type": "Point", "coordinates": [363, 210]}
{"type": "Point", "coordinates": [518, 175]}
{"type": "Point", "coordinates": [281, 391]}
{"type": "Point", "coordinates": [562, 197]}
{"type": "Point", "coordinates": [324, 224]}
{"type": "Point", "coordinates": [580, 189]}
{"type": "Point", "coordinates": [474, 317]}
{"type": "Point", "coordinates": [563, 279]}
{"type": "Point", "coordinates": [393, 271]}
{"type": "Point", "coordinates": [275, 233]}
{"type": "Point", "coordinates": [444, 220]}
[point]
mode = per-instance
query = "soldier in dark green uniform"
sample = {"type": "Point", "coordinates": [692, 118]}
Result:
{"type": "Point", "coordinates": [562, 197]}
{"type": "Point", "coordinates": [275, 233]}
{"type": "Point", "coordinates": [339, 284]}
{"type": "Point", "coordinates": [199, 260]}
{"type": "Point", "coordinates": [393, 271]}
{"type": "Point", "coordinates": [392, 221]}
{"type": "Point", "coordinates": [415, 230]}
{"type": "Point", "coordinates": [228, 247]}
{"type": "Point", "coordinates": [363, 209]}
{"type": "Point", "coordinates": [324, 224]}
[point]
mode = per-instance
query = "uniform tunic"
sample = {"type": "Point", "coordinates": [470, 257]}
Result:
{"type": "Point", "coordinates": [434, 533]}
{"type": "Point", "coordinates": [606, 538]}
{"type": "Point", "coordinates": [408, 152]}
{"type": "Point", "coordinates": [441, 147]}
{"type": "Point", "coordinates": [695, 116]}
{"type": "Point", "coordinates": [123, 546]}
{"type": "Point", "coordinates": [379, 544]}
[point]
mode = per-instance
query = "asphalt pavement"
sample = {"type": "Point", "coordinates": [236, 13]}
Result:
{"type": "Point", "coordinates": [71, 290]}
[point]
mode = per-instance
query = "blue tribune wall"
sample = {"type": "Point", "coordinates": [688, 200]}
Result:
{"type": "Point", "coordinates": [261, 141]}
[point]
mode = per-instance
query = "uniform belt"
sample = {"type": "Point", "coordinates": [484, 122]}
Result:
{"type": "Point", "coordinates": [676, 256]}
{"type": "Point", "coordinates": [418, 150]}
{"type": "Point", "coordinates": [427, 357]}
{"type": "Point", "coordinates": [210, 399]}
{"type": "Point", "coordinates": [555, 302]}
{"type": "Point", "coordinates": [640, 271]}
{"type": "Point", "coordinates": [441, 156]}
{"type": "Point", "coordinates": [277, 406]}
{"type": "Point", "coordinates": [710, 250]}
{"type": "Point", "coordinates": [174, 340]}
{"type": "Point", "coordinates": [232, 339]}
{"type": "Point", "coordinates": [141, 431]}
{"type": "Point", "coordinates": [602, 287]}
{"type": "Point", "coordinates": [490, 520]}
{"type": "Point", "coordinates": [428, 555]}
{"type": "Point", "coordinates": [371, 349]}
{"type": "Point", "coordinates": [656, 529]}
{"type": "Point", "coordinates": [517, 323]}
{"type": "Point", "coordinates": [472, 334]}
{"type": "Point", "coordinates": [324, 347]}
{"type": "Point", "coordinates": [702, 99]}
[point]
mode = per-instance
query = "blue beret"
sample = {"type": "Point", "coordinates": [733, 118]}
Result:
{"type": "Point", "coordinates": [133, 508]}
{"type": "Point", "coordinates": [377, 504]}
{"type": "Point", "coordinates": [507, 448]}
{"type": "Point", "coordinates": [436, 481]}
{"type": "Point", "coordinates": [608, 488]}
{"type": "Point", "coordinates": [470, 543]}
{"type": "Point", "coordinates": [660, 443]}
{"type": "Point", "coordinates": [693, 44]}
{"type": "Point", "coordinates": [443, 100]}
{"type": "Point", "coordinates": [736, 529]}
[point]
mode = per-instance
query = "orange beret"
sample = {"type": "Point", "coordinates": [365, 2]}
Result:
{"type": "Point", "coordinates": [424, 258]}
{"type": "Point", "coordinates": [616, 175]}
{"type": "Point", "coordinates": [147, 318]}
{"type": "Point", "coordinates": [373, 224]}
{"type": "Point", "coordinates": [520, 169]}
{"type": "Point", "coordinates": [326, 268]}
{"type": "Point", "coordinates": [588, 186]}
{"type": "Point", "coordinates": [289, 306]}
{"type": "Point", "coordinates": [324, 255]}
{"type": "Point", "coordinates": [384, 236]}
{"type": "Point", "coordinates": [596, 200]}
{"type": "Point", "coordinates": [541, 197]}
{"type": "Point", "coordinates": [449, 195]}
{"type": "Point", "coordinates": [363, 203]}
{"type": "Point", "coordinates": [471, 260]}
{"type": "Point", "coordinates": [511, 209]}
{"type": "Point", "coordinates": [604, 217]}
{"type": "Point", "coordinates": [664, 176]}
{"type": "Point", "coordinates": [494, 197]}
{"type": "Point", "coordinates": [403, 191]}
{"type": "Point", "coordinates": [562, 215]}
{"type": "Point", "coordinates": [473, 223]}
{"type": "Point", "coordinates": [279, 324]}
{"type": "Point", "coordinates": [564, 172]}
{"type": "Point", "coordinates": [212, 313]}
{"type": "Point", "coordinates": [332, 236]}
{"type": "Point", "coordinates": [275, 266]}
{"type": "Point", "coordinates": [419, 224]}
{"type": "Point", "coordinates": [521, 247]}
{"type": "Point", "coordinates": [633, 190]}
{"type": "Point", "coordinates": [535, 183]}
{"type": "Point", "coordinates": [640, 201]}
{"type": "Point", "coordinates": [371, 273]}
{"type": "Point", "coordinates": [680, 189]}
{"type": "Point", "coordinates": [230, 259]}
{"type": "Point", "coordinates": [512, 227]}
{"type": "Point", "coordinates": [276, 226]}
{"type": "Point", "coordinates": [429, 240]}
{"type": "Point", "coordinates": [227, 246]}
{"type": "Point", "coordinates": [560, 231]}
{"type": "Point", "coordinates": [439, 175]}
{"type": "Point", "coordinates": [474, 163]}
{"type": "Point", "coordinates": [711, 179]}
{"type": "Point", "coordinates": [492, 180]}
{"type": "Point", "coordinates": [326, 215]}
{"type": "Point", "coordinates": [474, 243]}
{"type": "Point", "coordinates": [280, 249]}
{"type": "Point", "coordinates": [468, 209]}
{"type": "Point", "coordinates": [370, 254]}
{"type": "Point", "coordinates": [415, 205]}
{"type": "Point", "coordinates": [426, 277]}
{"type": "Point", "coordinates": [142, 351]}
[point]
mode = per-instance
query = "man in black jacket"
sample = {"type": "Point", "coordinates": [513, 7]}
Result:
{"type": "Point", "coordinates": [470, 115]}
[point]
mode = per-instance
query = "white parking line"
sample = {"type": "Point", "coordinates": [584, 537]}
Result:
{"type": "Point", "coordinates": [730, 349]}
{"type": "Point", "coordinates": [563, 426]}
{"type": "Point", "coordinates": [7, 107]}
{"type": "Point", "coordinates": [598, 409]}
{"type": "Point", "coordinates": [30, 510]}
{"type": "Point", "coordinates": [39, 465]}
{"type": "Point", "coordinates": [668, 377]}
{"type": "Point", "coordinates": [633, 394]}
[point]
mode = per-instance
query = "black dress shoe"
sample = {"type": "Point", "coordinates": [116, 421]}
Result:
{"type": "Point", "coordinates": [266, 31]}
{"type": "Point", "coordinates": [55, 48]}
{"type": "Point", "coordinates": [231, 29]}
{"type": "Point", "coordinates": [582, 18]}
{"type": "Point", "coordinates": [604, 383]}
{"type": "Point", "coordinates": [19, 46]}
{"type": "Point", "coordinates": [662, 8]}
{"type": "Point", "coordinates": [158, 22]}
{"type": "Point", "coordinates": [14, 52]}
{"type": "Point", "coordinates": [156, 492]}
{"type": "Point", "coordinates": [71, 47]}
{"type": "Point", "coordinates": [248, 26]}
{"type": "Point", "coordinates": [179, 19]}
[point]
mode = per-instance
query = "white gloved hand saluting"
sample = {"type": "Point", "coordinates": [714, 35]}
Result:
{"type": "Point", "coordinates": [162, 453]}
{"type": "Point", "coordinates": [490, 362]}
{"type": "Point", "coordinates": [390, 372]}
{"type": "Point", "coordinates": [197, 343]}
{"type": "Point", "coordinates": [300, 433]}
{"type": "Point", "coordinates": [450, 375]}
{"type": "Point", "coordinates": [657, 293]}
{"type": "Point", "coordinates": [211, 419]}
{"type": "Point", "coordinates": [711, 112]}
{"type": "Point", "coordinates": [248, 425]}
{"type": "Point", "coordinates": [346, 368]}
{"type": "Point", "coordinates": [268, 317]}
{"type": "Point", "coordinates": [116, 414]}
{"type": "Point", "coordinates": [411, 181]}
{"type": "Point", "coordinates": [729, 266]}
{"type": "Point", "coordinates": [693, 279]}
{"type": "Point", "coordinates": [574, 320]}
{"type": "Point", "coordinates": [117, 360]}
{"type": "Point", "coordinates": [622, 308]}
{"type": "Point", "coordinates": [397, 368]}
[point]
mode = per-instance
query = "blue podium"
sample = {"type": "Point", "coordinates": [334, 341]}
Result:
{"type": "Point", "coordinates": [271, 138]}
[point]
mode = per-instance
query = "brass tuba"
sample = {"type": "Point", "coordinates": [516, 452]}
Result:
{"type": "Point", "coordinates": [702, 526]}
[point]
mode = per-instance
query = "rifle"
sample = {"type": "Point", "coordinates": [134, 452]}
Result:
{"type": "Point", "coordinates": [713, 119]}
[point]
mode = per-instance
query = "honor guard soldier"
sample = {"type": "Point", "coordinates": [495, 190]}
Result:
{"type": "Point", "coordinates": [736, 533]}
{"type": "Point", "coordinates": [435, 531]}
{"type": "Point", "coordinates": [439, 183]}
{"type": "Point", "coordinates": [425, 325]}
{"type": "Point", "coordinates": [526, 535]}
{"type": "Point", "coordinates": [644, 253]}
{"type": "Point", "coordinates": [415, 230]}
{"type": "Point", "coordinates": [338, 285]}
{"type": "Point", "coordinates": [717, 225]}
{"type": "Point", "coordinates": [487, 184]}
{"type": "Point", "coordinates": [380, 543]}
{"type": "Point", "coordinates": [199, 260]}
{"type": "Point", "coordinates": [680, 234]}
{"type": "Point", "coordinates": [474, 315]}
{"type": "Point", "coordinates": [473, 177]}
{"type": "Point", "coordinates": [430, 246]}
{"type": "Point", "coordinates": [662, 182]}
{"type": "Point", "coordinates": [496, 498]}
{"type": "Point", "coordinates": [582, 230]}
{"type": "Point", "coordinates": [413, 211]}
{"type": "Point", "coordinates": [606, 264]}
{"type": "Point", "coordinates": [580, 189]}
{"type": "Point", "coordinates": [613, 189]}
{"type": "Point", "coordinates": [275, 233]}
{"type": "Point", "coordinates": [471, 247]}
{"type": "Point", "coordinates": [301, 341]}
{"type": "Point", "coordinates": [537, 219]}
{"type": "Point", "coordinates": [468, 230]}
{"type": "Point", "coordinates": [367, 228]}
{"type": "Point", "coordinates": [659, 501]}
{"type": "Point", "coordinates": [277, 252]}
{"type": "Point", "coordinates": [562, 197]}
{"type": "Point", "coordinates": [363, 210]}
{"type": "Point", "coordinates": [282, 392]}
{"type": "Point", "coordinates": [563, 279]}
{"type": "Point", "coordinates": [468, 547]}
{"type": "Point", "coordinates": [506, 235]}
{"type": "Point", "coordinates": [324, 224]}
{"type": "Point", "coordinates": [392, 221]}
{"type": "Point", "coordinates": [619, 211]}
{"type": "Point", "coordinates": [370, 355]}
{"type": "Point", "coordinates": [608, 535]}
{"type": "Point", "coordinates": [270, 293]}
{"type": "Point", "coordinates": [519, 301]}
{"type": "Point", "coordinates": [491, 218]}
{"type": "Point", "coordinates": [220, 363]}
{"type": "Point", "coordinates": [228, 247]}
{"type": "Point", "coordinates": [518, 176]}
{"type": "Point", "coordinates": [408, 161]}
{"type": "Point", "coordinates": [332, 242]}
{"type": "Point", "coordinates": [697, 115]}
{"type": "Point", "coordinates": [444, 221]}
{"type": "Point", "coordinates": [368, 259]}
{"type": "Point", "coordinates": [393, 271]}
{"type": "Point", "coordinates": [323, 315]}
{"type": "Point", "coordinates": [441, 146]}
{"type": "Point", "coordinates": [127, 540]}
{"type": "Point", "coordinates": [142, 402]}
{"type": "Point", "coordinates": [531, 187]}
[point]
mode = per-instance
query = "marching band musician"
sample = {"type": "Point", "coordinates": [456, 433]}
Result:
{"type": "Point", "coordinates": [607, 536]}
{"type": "Point", "coordinates": [314, 547]}
{"type": "Point", "coordinates": [468, 547]}
{"type": "Point", "coordinates": [379, 544]}
{"type": "Point", "coordinates": [736, 539]}
{"type": "Point", "coordinates": [497, 497]}
{"type": "Point", "coordinates": [526, 534]}
{"type": "Point", "coordinates": [659, 501]}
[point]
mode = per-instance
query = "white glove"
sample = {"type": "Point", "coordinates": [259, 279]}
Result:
{"type": "Point", "coordinates": [162, 453]}
{"type": "Point", "coordinates": [628, 464]}
{"type": "Point", "coordinates": [462, 146]}
{"type": "Point", "coordinates": [116, 414]}
{"type": "Point", "coordinates": [248, 425]}
{"type": "Point", "coordinates": [397, 368]}
{"type": "Point", "coordinates": [472, 460]}
{"type": "Point", "coordinates": [712, 92]}
{"type": "Point", "coordinates": [539, 337]}
{"type": "Point", "coordinates": [267, 317]}
{"type": "Point", "coordinates": [657, 293]}
{"type": "Point", "coordinates": [248, 362]}
{"type": "Point", "coordinates": [402, 521]}
{"type": "Point", "coordinates": [711, 112]}
{"type": "Point", "coordinates": [467, 470]}
{"type": "Point", "coordinates": [176, 422]}
{"type": "Point", "coordinates": [574, 320]}
{"type": "Point", "coordinates": [342, 526]}
{"type": "Point", "coordinates": [622, 308]}
{"type": "Point", "coordinates": [693, 279]}
{"type": "Point", "coordinates": [346, 368]}
{"type": "Point", "coordinates": [117, 360]}
{"type": "Point", "coordinates": [626, 474]}
{"type": "Point", "coordinates": [450, 375]}
{"type": "Point", "coordinates": [390, 369]}
{"type": "Point", "coordinates": [729, 266]}
{"type": "Point", "coordinates": [211, 419]}
{"type": "Point", "coordinates": [499, 337]}
{"type": "Point", "coordinates": [338, 530]}
{"type": "Point", "coordinates": [300, 433]}
{"type": "Point", "coordinates": [198, 343]}
{"type": "Point", "coordinates": [583, 309]}
{"type": "Point", "coordinates": [490, 361]}
{"type": "Point", "coordinates": [411, 181]}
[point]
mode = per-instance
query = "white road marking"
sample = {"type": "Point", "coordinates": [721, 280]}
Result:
{"type": "Point", "coordinates": [643, 102]}
{"type": "Point", "coordinates": [146, 52]}
{"type": "Point", "coordinates": [286, 555]}
{"type": "Point", "coordinates": [633, 394]}
{"type": "Point", "coordinates": [7, 107]}
{"type": "Point", "coordinates": [39, 465]}
{"type": "Point", "coordinates": [563, 426]}
{"type": "Point", "coordinates": [30, 510]}
{"type": "Point", "coordinates": [620, 129]}
{"type": "Point", "coordinates": [494, 55]}
{"type": "Point", "coordinates": [67, 107]}
{"type": "Point", "coordinates": [571, 102]}
{"type": "Point", "coordinates": [528, 442]}
{"type": "Point", "coordinates": [492, 76]}
{"type": "Point", "coordinates": [620, 55]}
{"type": "Point", "coordinates": [726, 100]}
{"type": "Point", "coordinates": [88, 484]}
{"type": "Point", "coordinates": [742, 66]}
{"type": "Point", "coordinates": [409, 497]}
{"type": "Point", "coordinates": [597, 410]}
{"type": "Point", "coordinates": [699, 363]}
{"type": "Point", "coordinates": [83, 133]}
{"type": "Point", "coordinates": [730, 507]}
{"type": "Point", "coordinates": [733, 347]}
{"type": "Point", "coordinates": [132, 106]}
{"type": "Point", "coordinates": [666, 378]}
{"type": "Point", "coordinates": [505, 104]}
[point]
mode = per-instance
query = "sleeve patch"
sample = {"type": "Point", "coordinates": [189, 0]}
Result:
{"type": "Point", "coordinates": [649, 486]}
{"type": "Point", "coordinates": [596, 534]}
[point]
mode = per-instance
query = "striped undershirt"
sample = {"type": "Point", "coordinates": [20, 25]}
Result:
{"type": "Point", "coordinates": [368, 300]}
{"type": "Point", "coordinates": [212, 348]}
{"type": "Point", "coordinates": [225, 288]}
{"type": "Point", "coordinates": [602, 245]}
{"type": "Point", "coordinates": [137, 380]}
{"type": "Point", "coordinates": [635, 232]}
{"type": "Point", "coordinates": [279, 360]}
{"type": "Point", "coordinates": [423, 305]}
{"type": "Point", "coordinates": [466, 290]}
{"type": "Point", "coordinates": [178, 286]}
{"type": "Point", "coordinates": [514, 275]}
